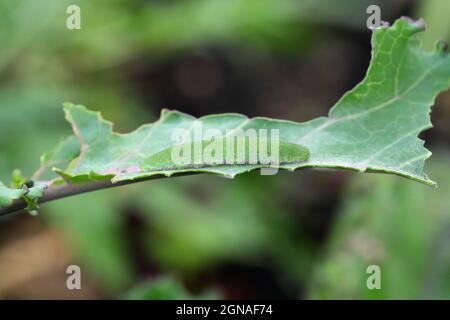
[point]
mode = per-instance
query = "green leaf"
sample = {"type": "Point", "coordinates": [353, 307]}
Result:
{"type": "Point", "coordinates": [372, 128]}
{"type": "Point", "coordinates": [30, 195]}
{"type": "Point", "coordinates": [66, 150]}
{"type": "Point", "coordinates": [147, 151]}
{"type": "Point", "coordinates": [18, 180]}
{"type": "Point", "coordinates": [8, 195]}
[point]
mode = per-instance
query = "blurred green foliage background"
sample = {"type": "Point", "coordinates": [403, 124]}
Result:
{"type": "Point", "coordinates": [295, 235]}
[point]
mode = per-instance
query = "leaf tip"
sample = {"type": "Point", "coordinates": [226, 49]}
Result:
{"type": "Point", "coordinates": [67, 106]}
{"type": "Point", "coordinates": [417, 25]}
{"type": "Point", "coordinates": [165, 111]}
{"type": "Point", "coordinates": [384, 25]}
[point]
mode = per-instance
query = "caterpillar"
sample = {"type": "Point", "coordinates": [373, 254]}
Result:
{"type": "Point", "coordinates": [286, 153]}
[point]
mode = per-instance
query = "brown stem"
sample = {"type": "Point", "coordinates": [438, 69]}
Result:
{"type": "Point", "coordinates": [68, 190]}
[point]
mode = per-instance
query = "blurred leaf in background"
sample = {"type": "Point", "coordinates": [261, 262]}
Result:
{"type": "Point", "coordinates": [399, 226]}
{"type": "Point", "coordinates": [165, 288]}
{"type": "Point", "coordinates": [94, 228]}
{"type": "Point", "coordinates": [220, 220]}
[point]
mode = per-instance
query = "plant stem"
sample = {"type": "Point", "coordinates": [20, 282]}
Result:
{"type": "Point", "coordinates": [68, 190]}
